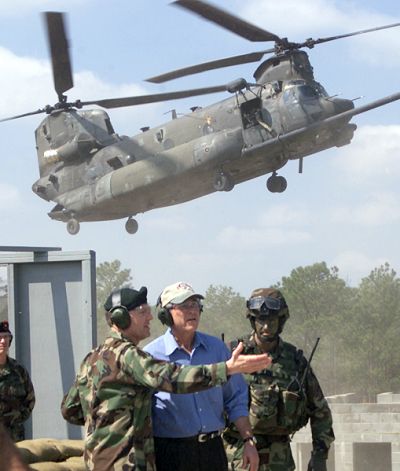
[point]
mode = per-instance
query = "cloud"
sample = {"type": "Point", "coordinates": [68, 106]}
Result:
{"type": "Point", "coordinates": [10, 197]}
{"type": "Point", "coordinates": [284, 215]}
{"type": "Point", "coordinates": [276, 226]}
{"type": "Point", "coordinates": [175, 223]}
{"type": "Point", "coordinates": [294, 16]}
{"type": "Point", "coordinates": [381, 209]}
{"type": "Point", "coordinates": [10, 8]}
{"type": "Point", "coordinates": [373, 155]}
{"type": "Point", "coordinates": [260, 238]}
{"type": "Point", "coordinates": [29, 86]}
{"type": "Point", "coordinates": [27, 82]}
{"type": "Point", "coordinates": [354, 265]}
{"type": "Point", "coordinates": [316, 18]}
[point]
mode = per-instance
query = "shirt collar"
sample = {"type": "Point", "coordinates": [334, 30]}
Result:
{"type": "Point", "coordinates": [171, 344]}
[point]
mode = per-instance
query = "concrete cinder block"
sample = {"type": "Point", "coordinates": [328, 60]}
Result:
{"type": "Point", "coordinates": [388, 397]}
{"type": "Point", "coordinates": [384, 398]}
{"type": "Point", "coordinates": [372, 456]}
{"type": "Point", "coordinates": [303, 454]}
{"type": "Point", "coordinates": [348, 398]}
{"type": "Point", "coordinates": [389, 417]}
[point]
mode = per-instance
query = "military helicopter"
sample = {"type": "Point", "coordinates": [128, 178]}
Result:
{"type": "Point", "coordinates": [94, 174]}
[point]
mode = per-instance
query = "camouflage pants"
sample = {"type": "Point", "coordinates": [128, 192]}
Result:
{"type": "Point", "coordinates": [275, 456]}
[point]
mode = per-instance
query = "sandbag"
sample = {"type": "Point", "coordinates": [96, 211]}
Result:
{"type": "Point", "coordinates": [70, 448]}
{"type": "Point", "coordinates": [72, 464]}
{"type": "Point", "coordinates": [49, 450]}
{"type": "Point", "coordinates": [40, 449]}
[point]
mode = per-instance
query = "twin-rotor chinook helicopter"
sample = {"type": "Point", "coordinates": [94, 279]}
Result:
{"type": "Point", "coordinates": [93, 174]}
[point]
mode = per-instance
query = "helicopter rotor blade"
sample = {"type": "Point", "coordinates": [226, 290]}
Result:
{"type": "Point", "coordinates": [31, 113]}
{"type": "Point", "coordinates": [212, 65]}
{"type": "Point", "coordinates": [145, 99]}
{"type": "Point", "coordinates": [311, 42]}
{"type": "Point", "coordinates": [59, 51]}
{"type": "Point", "coordinates": [227, 20]}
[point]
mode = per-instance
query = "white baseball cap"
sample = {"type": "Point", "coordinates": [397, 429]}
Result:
{"type": "Point", "coordinates": [177, 293]}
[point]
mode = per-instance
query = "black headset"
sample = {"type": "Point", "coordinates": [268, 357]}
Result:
{"type": "Point", "coordinates": [119, 314]}
{"type": "Point", "coordinates": [163, 314]}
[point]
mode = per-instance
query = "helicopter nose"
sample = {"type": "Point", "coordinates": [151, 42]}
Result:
{"type": "Point", "coordinates": [342, 105]}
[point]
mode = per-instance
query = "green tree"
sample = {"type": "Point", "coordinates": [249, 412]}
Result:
{"type": "Point", "coordinates": [109, 276]}
{"type": "Point", "coordinates": [318, 301]}
{"type": "Point", "coordinates": [372, 344]}
{"type": "Point", "coordinates": [224, 313]}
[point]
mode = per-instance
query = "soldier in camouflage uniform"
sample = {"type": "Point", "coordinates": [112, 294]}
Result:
{"type": "Point", "coordinates": [17, 397]}
{"type": "Point", "coordinates": [282, 398]}
{"type": "Point", "coordinates": [112, 392]}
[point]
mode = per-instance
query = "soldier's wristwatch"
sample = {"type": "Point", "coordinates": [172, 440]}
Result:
{"type": "Point", "coordinates": [253, 440]}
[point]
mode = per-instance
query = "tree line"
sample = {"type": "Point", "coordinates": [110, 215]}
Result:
{"type": "Point", "coordinates": [358, 326]}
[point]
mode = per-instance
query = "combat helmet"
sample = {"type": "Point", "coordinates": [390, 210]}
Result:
{"type": "Point", "coordinates": [264, 301]}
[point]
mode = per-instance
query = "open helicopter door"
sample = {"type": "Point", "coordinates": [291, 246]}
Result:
{"type": "Point", "coordinates": [256, 125]}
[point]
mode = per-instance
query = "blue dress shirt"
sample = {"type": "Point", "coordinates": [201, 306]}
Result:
{"type": "Point", "coordinates": [186, 415]}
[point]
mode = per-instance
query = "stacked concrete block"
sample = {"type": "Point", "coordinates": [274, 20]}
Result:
{"type": "Point", "coordinates": [303, 454]}
{"type": "Point", "coordinates": [372, 456]}
{"type": "Point", "coordinates": [360, 423]}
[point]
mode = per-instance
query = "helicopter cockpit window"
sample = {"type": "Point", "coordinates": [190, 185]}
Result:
{"type": "Point", "coordinates": [109, 126]}
{"type": "Point", "coordinates": [307, 91]}
{"type": "Point", "coordinates": [303, 89]}
{"type": "Point", "coordinates": [320, 89]}
{"type": "Point", "coordinates": [289, 95]}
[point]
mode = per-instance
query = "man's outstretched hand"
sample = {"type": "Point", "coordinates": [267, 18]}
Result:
{"type": "Point", "coordinates": [246, 363]}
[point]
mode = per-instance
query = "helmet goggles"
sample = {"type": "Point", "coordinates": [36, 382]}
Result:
{"type": "Point", "coordinates": [264, 305]}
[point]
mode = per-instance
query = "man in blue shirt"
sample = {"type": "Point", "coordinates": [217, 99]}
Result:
{"type": "Point", "coordinates": [187, 428]}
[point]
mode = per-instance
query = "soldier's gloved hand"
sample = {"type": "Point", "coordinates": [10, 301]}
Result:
{"type": "Point", "coordinates": [317, 461]}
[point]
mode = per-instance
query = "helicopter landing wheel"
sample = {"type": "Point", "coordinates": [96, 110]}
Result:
{"type": "Point", "coordinates": [276, 183]}
{"type": "Point", "coordinates": [73, 226]}
{"type": "Point", "coordinates": [131, 226]}
{"type": "Point", "coordinates": [223, 182]}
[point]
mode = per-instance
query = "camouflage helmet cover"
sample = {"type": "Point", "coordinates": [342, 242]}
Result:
{"type": "Point", "coordinates": [271, 293]}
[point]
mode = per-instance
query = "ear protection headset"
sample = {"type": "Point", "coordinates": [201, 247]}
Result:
{"type": "Point", "coordinates": [163, 314]}
{"type": "Point", "coordinates": [119, 315]}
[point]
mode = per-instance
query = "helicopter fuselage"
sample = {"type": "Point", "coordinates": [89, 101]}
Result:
{"type": "Point", "coordinates": [94, 174]}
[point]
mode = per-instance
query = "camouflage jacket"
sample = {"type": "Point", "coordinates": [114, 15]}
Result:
{"type": "Point", "coordinates": [281, 402]}
{"type": "Point", "coordinates": [17, 398]}
{"type": "Point", "coordinates": [111, 396]}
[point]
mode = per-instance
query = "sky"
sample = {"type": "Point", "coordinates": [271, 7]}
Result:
{"type": "Point", "coordinates": [343, 209]}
